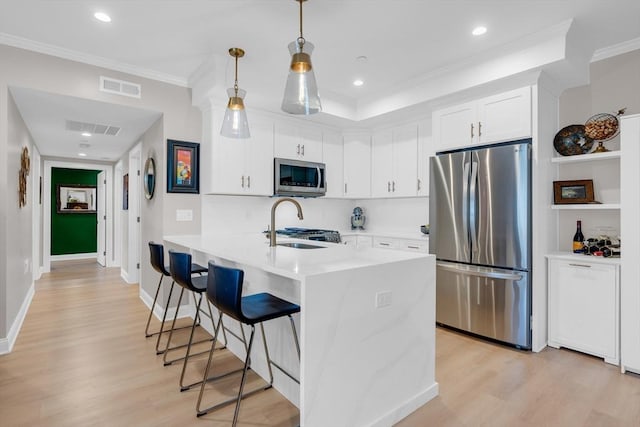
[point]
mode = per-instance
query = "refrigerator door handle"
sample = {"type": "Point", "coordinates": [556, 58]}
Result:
{"type": "Point", "coordinates": [489, 274]}
{"type": "Point", "coordinates": [473, 205]}
{"type": "Point", "coordinates": [466, 171]}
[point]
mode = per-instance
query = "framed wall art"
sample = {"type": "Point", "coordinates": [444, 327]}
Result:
{"type": "Point", "coordinates": [568, 192]}
{"type": "Point", "coordinates": [125, 192]}
{"type": "Point", "coordinates": [183, 161]}
{"type": "Point", "coordinates": [76, 198]}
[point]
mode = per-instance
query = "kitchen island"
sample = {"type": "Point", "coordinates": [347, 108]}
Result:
{"type": "Point", "coordinates": [366, 326]}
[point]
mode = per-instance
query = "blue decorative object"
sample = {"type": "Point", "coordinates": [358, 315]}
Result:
{"type": "Point", "coordinates": [357, 219]}
{"type": "Point", "coordinates": [572, 140]}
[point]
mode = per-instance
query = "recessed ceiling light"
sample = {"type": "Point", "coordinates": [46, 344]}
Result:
{"type": "Point", "coordinates": [361, 58]}
{"type": "Point", "coordinates": [478, 31]}
{"type": "Point", "coordinates": [82, 154]}
{"type": "Point", "coordinates": [85, 134]}
{"type": "Point", "coordinates": [102, 17]}
{"type": "Point", "coordinates": [358, 82]}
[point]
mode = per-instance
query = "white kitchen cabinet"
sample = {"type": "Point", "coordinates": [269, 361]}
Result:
{"type": "Point", "coordinates": [394, 162]}
{"type": "Point", "coordinates": [333, 158]}
{"type": "Point", "coordinates": [382, 163]}
{"type": "Point", "coordinates": [629, 232]}
{"type": "Point", "coordinates": [358, 241]}
{"type": "Point", "coordinates": [584, 309]}
{"type": "Point", "coordinates": [411, 245]}
{"type": "Point", "coordinates": [295, 141]}
{"type": "Point", "coordinates": [357, 165]}
{"type": "Point", "coordinates": [425, 151]}
{"type": "Point", "coordinates": [385, 242]}
{"type": "Point", "coordinates": [237, 166]}
{"type": "Point", "coordinates": [502, 117]}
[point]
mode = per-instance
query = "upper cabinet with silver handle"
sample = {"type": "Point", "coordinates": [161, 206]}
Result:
{"type": "Point", "coordinates": [394, 162]}
{"type": "Point", "coordinates": [502, 117]}
{"type": "Point", "coordinates": [298, 142]}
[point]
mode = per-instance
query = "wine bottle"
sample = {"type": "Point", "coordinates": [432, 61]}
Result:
{"type": "Point", "coordinates": [578, 238]}
{"type": "Point", "coordinates": [611, 252]}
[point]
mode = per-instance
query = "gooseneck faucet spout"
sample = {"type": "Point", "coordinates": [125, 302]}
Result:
{"type": "Point", "coordinates": [272, 232]}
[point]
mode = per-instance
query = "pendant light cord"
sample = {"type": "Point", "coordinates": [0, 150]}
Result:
{"type": "Point", "coordinates": [301, 39]}
{"type": "Point", "coordinates": [235, 84]}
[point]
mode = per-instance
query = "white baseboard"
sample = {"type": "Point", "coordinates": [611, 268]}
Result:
{"type": "Point", "coordinates": [158, 310]}
{"type": "Point", "coordinates": [6, 344]}
{"type": "Point", "coordinates": [408, 407]}
{"type": "Point", "coordinates": [69, 257]}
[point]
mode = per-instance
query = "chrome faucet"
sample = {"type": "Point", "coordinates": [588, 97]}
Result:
{"type": "Point", "coordinates": [272, 232]}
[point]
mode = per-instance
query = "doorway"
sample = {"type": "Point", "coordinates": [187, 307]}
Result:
{"type": "Point", "coordinates": [50, 202]}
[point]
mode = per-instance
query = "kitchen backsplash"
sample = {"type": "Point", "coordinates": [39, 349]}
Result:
{"type": "Point", "coordinates": [252, 214]}
{"type": "Point", "coordinates": [395, 215]}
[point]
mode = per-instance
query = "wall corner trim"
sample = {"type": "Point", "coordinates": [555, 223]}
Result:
{"type": "Point", "coordinates": [6, 344]}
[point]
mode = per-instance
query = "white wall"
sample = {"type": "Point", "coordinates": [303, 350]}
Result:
{"type": "Point", "coordinates": [16, 287]}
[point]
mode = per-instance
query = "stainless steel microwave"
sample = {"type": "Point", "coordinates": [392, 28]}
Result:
{"type": "Point", "coordinates": [298, 178]}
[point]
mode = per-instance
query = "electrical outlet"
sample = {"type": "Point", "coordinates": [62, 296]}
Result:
{"type": "Point", "coordinates": [184, 215]}
{"type": "Point", "coordinates": [383, 299]}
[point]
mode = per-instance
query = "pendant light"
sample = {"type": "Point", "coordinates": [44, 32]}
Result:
{"type": "Point", "coordinates": [301, 92]}
{"type": "Point", "coordinates": [235, 124]}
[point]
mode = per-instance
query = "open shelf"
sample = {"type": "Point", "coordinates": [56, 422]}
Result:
{"type": "Point", "coordinates": [587, 206]}
{"type": "Point", "coordinates": [587, 157]}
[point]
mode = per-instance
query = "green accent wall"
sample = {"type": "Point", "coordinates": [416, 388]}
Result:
{"type": "Point", "coordinates": [72, 233]}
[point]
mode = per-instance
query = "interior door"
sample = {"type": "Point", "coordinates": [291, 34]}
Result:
{"type": "Point", "coordinates": [102, 219]}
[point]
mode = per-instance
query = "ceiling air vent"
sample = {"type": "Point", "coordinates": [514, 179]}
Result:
{"type": "Point", "coordinates": [92, 128]}
{"type": "Point", "coordinates": [120, 87]}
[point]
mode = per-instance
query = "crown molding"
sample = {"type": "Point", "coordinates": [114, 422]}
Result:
{"type": "Point", "coordinates": [616, 49]}
{"type": "Point", "coordinates": [98, 61]}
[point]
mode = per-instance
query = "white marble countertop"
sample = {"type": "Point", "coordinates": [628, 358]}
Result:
{"type": "Point", "coordinates": [253, 249]}
{"type": "Point", "coordinates": [583, 258]}
{"type": "Point", "coordinates": [386, 233]}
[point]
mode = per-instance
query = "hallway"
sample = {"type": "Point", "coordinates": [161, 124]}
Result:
{"type": "Point", "coordinates": [81, 359]}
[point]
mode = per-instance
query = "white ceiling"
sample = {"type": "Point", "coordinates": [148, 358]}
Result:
{"type": "Point", "coordinates": [403, 40]}
{"type": "Point", "coordinates": [46, 115]}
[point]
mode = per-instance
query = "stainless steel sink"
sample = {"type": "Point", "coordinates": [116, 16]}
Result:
{"type": "Point", "coordinates": [298, 245]}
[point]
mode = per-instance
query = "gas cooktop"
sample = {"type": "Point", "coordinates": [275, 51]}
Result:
{"type": "Point", "coordinates": [311, 234]}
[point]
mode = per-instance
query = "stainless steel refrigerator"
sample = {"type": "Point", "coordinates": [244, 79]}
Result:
{"type": "Point", "coordinates": [480, 218]}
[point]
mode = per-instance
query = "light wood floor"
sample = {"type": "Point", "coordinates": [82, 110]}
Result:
{"type": "Point", "coordinates": [81, 359]}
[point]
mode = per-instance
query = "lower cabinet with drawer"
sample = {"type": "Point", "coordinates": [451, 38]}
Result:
{"type": "Point", "coordinates": [401, 244]}
{"type": "Point", "coordinates": [584, 305]}
{"type": "Point", "coordinates": [385, 242]}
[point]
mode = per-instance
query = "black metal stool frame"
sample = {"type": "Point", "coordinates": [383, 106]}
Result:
{"type": "Point", "coordinates": [236, 312]}
{"type": "Point", "coordinates": [180, 274]}
{"type": "Point", "coordinates": [157, 262]}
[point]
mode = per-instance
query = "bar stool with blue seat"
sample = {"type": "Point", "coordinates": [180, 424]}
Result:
{"type": "Point", "coordinates": [224, 291]}
{"type": "Point", "coordinates": [157, 262]}
{"type": "Point", "coordinates": [180, 268]}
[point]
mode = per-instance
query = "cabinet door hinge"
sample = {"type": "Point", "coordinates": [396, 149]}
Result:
{"type": "Point", "coordinates": [138, 266]}
{"type": "Point", "coordinates": [138, 219]}
{"type": "Point", "coordinates": [138, 173]}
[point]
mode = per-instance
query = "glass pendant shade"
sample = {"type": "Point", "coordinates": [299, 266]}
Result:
{"type": "Point", "coordinates": [301, 92]}
{"type": "Point", "coordinates": [235, 123]}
